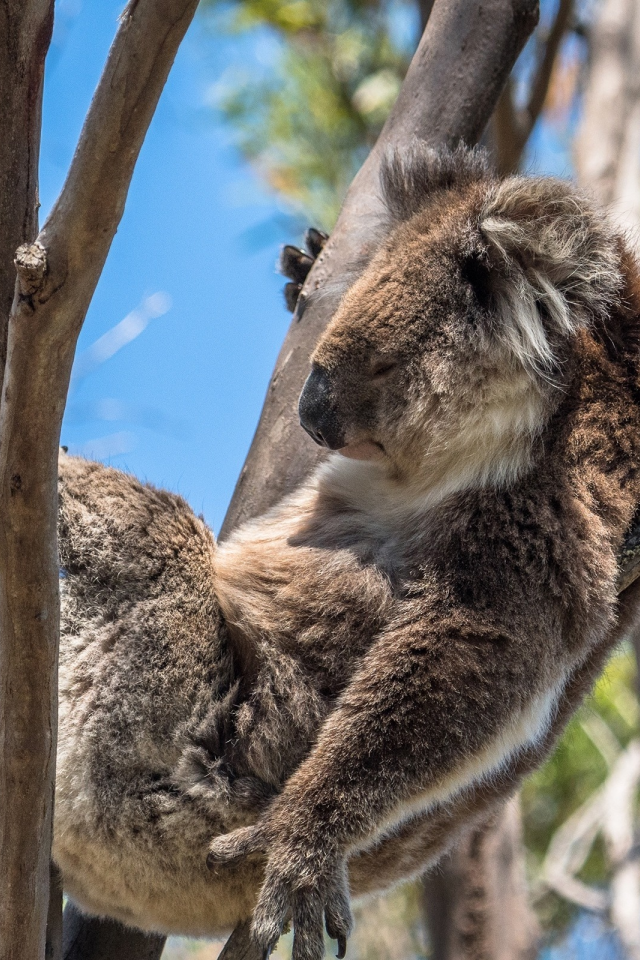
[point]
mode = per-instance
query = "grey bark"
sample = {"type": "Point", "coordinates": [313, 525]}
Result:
{"type": "Point", "coordinates": [88, 937]}
{"type": "Point", "coordinates": [25, 33]}
{"type": "Point", "coordinates": [477, 903]}
{"type": "Point", "coordinates": [53, 944]}
{"type": "Point", "coordinates": [26, 781]}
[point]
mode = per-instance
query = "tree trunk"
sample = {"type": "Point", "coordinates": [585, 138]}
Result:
{"type": "Point", "coordinates": [476, 903]}
{"type": "Point", "coordinates": [28, 676]}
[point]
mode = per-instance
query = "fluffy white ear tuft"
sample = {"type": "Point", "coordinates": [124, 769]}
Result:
{"type": "Point", "coordinates": [558, 264]}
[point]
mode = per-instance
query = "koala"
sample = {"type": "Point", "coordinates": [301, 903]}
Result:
{"type": "Point", "coordinates": [264, 726]}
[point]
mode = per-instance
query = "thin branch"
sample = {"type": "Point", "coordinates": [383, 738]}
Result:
{"type": "Point", "coordinates": [506, 126]}
{"type": "Point", "coordinates": [240, 945]}
{"type": "Point", "coordinates": [568, 851]}
{"type": "Point", "coordinates": [513, 127]}
{"type": "Point", "coordinates": [56, 278]}
{"type": "Point", "coordinates": [546, 63]}
{"type": "Point", "coordinates": [25, 33]}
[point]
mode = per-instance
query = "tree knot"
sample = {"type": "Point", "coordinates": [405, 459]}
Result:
{"type": "Point", "coordinates": [31, 267]}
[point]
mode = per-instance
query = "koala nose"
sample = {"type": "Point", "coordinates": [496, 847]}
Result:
{"type": "Point", "coordinates": [317, 410]}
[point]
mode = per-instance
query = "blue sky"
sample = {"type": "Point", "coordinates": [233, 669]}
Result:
{"type": "Point", "coordinates": [178, 404]}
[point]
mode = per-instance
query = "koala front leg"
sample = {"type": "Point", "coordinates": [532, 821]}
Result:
{"type": "Point", "coordinates": [428, 713]}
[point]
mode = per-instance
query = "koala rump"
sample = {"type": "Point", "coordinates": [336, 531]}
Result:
{"type": "Point", "coordinates": [300, 704]}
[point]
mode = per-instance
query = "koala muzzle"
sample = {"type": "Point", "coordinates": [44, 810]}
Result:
{"type": "Point", "coordinates": [317, 410]}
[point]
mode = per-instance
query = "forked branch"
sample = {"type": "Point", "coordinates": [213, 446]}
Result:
{"type": "Point", "coordinates": [57, 275]}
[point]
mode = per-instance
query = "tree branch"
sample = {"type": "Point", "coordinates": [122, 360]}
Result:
{"type": "Point", "coordinates": [25, 33]}
{"type": "Point", "coordinates": [513, 127]}
{"type": "Point", "coordinates": [56, 278]}
{"type": "Point", "coordinates": [546, 63]}
{"type": "Point", "coordinates": [618, 828]}
{"type": "Point", "coordinates": [90, 938]}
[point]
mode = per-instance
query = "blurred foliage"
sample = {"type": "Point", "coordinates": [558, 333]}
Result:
{"type": "Point", "coordinates": [307, 115]}
{"type": "Point", "coordinates": [602, 727]}
{"type": "Point", "coordinates": [319, 77]}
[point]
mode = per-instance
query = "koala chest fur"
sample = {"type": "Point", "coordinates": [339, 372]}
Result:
{"type": "Point", "coordinates": [402, 624]}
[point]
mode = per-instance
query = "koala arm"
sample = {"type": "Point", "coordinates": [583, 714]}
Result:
{"type": "Point", "coordinates": [410, 731]}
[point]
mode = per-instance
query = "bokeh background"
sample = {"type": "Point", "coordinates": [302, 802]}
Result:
{"type": "Point", "coordinates": [267, 114]}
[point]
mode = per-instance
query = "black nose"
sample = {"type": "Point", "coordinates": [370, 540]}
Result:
{"type": "Point", "coordinates": [317, 410]}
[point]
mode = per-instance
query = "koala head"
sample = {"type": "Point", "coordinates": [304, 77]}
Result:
{"type": "Point", "coordinates": [453, 346]}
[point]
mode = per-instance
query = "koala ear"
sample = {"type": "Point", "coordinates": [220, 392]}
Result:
{"type": "Point", "coordinates": [556, 264]}
{"type": "Point", "coordinates": [409, 178]}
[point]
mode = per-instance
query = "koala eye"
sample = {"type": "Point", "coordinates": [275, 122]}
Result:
{"type": "Point", "coordinates": [382, 368]}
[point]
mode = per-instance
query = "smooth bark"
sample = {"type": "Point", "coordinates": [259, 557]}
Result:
{"type": "Point", "coordinates": [25, 33]}
{"type": "Point", "coordinates": [88, 937]}
{"type": "Point", "coordinates": [512, 125]}
{"type": "Point", "coordinates": [477, 900]}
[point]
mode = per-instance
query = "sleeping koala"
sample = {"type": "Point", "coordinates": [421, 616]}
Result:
{"type": "Point", "coordinates": [406, 621]}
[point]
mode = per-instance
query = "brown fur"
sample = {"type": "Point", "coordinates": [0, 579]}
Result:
{"type": "Point", "coordinates": [409, 622]}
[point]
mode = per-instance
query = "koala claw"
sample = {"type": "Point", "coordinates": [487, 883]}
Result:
{"type": "Point", "coordinates": [295, 264]}
{"type": "Point", "coordinates": [314, 241]}
{"type": "Point", "coordinates": [289, 892]}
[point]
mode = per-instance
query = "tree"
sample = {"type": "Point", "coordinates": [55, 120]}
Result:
{"type": "Point", "coordinates": [57, 270]}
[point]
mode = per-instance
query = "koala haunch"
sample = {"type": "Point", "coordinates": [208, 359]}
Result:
{"type": "Point", "coordinates": [407, 620]}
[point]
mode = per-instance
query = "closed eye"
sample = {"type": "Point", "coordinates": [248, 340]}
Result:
{"type": "Point", "coordinates": [383, 368]}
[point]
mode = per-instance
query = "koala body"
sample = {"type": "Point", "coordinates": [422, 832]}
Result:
{"type": "Point", "coordinates": [397, 629]}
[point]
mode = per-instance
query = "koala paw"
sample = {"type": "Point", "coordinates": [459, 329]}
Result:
{"type": "Point", "coordinates": [301, 885]}
{"type": "Point", "coordinates": [296, 264]}
{"type": "Point", "coordinates": [294, 889]}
